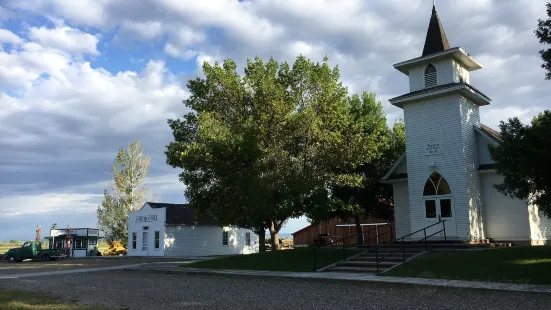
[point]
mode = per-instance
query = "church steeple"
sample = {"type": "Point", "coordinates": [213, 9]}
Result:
{"type": "Point", "coordinates": [436, 40]}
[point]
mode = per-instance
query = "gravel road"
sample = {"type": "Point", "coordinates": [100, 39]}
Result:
{"type": "Point", "coordinates": [137, 290]}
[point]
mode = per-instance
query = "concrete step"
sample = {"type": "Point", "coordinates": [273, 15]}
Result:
{"type": "Point", "coordinates": [368, 270]}
{"type": "Point", "coordinates": [396, 259]}
{"type": "Point", "coordinates": [382, 264]}
{"type": "Point", "coordinates": [392, 252]}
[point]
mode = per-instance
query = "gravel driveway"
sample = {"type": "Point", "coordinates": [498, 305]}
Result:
{"type": "Point", "coordinates": [136, 290]}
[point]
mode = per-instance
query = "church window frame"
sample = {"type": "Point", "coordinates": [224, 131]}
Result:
{"type": "Point", "coordinates": [436, 185]}
{"type": "Point", "coordinates": [431, 76]}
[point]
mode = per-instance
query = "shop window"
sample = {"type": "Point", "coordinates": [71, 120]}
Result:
{"type": "Point", "coordinates": [157, 237]}
{"type": "Point", "coordinates": [134, 238]}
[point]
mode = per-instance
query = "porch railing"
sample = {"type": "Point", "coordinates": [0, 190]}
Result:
{"type": "Point", "coordinates": [321, 252]}
{"type": "Point", "coordinates": [379, 258]}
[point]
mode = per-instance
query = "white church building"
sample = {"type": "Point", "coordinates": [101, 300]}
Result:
{"type": "Point", "coordinates": [447, 172]}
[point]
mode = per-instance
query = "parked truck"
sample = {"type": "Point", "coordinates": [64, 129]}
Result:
{"type": "Point", "coordinates": [32, 250]}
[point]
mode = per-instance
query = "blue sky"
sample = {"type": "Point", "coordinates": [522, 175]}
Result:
{"type": "Point", "coordinates": [80, 79]}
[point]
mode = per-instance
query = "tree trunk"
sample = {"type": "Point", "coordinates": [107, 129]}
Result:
{"type": "Point", "coordinates": [359, 235]}
{"type": "Point", "coordinates": [274, 234]}
{"type": "Point", "coordinates": [261, 240]}
{"type": "Point", "coordinates": [275, 240]}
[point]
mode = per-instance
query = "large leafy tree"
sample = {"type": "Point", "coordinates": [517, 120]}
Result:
{"type": "Point", "coordinates": [523, 160]}
{"type": "Point", "coordinates": [129, 192]}
{"type": "Point", "coordinates": [371, 197]}
{"type": "Point", "coordinates": [543, 33]}
{"type": "Point", "coordinates": [258, 149]}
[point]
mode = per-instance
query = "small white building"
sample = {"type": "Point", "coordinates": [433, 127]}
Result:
{"type": "Point", "coordinates": [447, 172]}
{"type": "Point", "coordinates": [166, 229]}
{"type": "Point", "coordinates": [82, 240]}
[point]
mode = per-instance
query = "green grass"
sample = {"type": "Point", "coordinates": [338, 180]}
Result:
{"type": "Point", "coordinates": [525, 265]}
{"type": "Point", "coordinates": [17, 300]}
{"type": "Point", "coordinates": [298, 260]}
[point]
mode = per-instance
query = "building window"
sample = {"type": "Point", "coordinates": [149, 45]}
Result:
{"type": "Point", "coordinates": [431, 78]}
{"type": "Point", "coordinates": [81, 244]}
{"type": "Point", "coordinates": [92, 241]}
{"type": "Point", "coordinates": [224, 238]}
{"type": "Point", "coordinates": [134, 237]}
{"type": "Point", "coordinates": [157, 236]}
{"type": "Point", "coordinates": [248, 238]}
{"type": "Point", "coordinates": [430, 209]}
{"type": "Point", "coordinates": [436, 185]}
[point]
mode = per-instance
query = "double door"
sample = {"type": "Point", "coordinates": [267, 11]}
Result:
{"type": "Point", "coordinates": [438, 209]}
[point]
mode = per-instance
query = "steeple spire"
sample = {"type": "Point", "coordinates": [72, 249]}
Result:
{"type": "Point", "coordinates": [436, 40]}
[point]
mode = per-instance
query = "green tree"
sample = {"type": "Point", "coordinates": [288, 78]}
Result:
{"type": "Point", "coordinates": [543, 33]}
{"type": "Point", "coordinates": [129, 173]}
{"type": "Point", "coordinates": [371, 197]}
{"type": "Point", "coordinates": [523, 160]}
{"type": "Point", "coordinates": [258, 149]}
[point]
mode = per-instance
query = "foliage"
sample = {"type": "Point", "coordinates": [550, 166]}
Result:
{"type": "Point", "coordinates": [543, 33]}
{"type": "Point", "coordinates": [257, 149]}
{"type": "Point", "coordinates": [129, 173]}
{"type": "Point", "coordinates": [523, 160]}
{"type": "Point", "coordinates": [371, 197]}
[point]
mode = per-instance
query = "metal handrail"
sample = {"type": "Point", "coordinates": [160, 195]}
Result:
{"type": "Point", "coordinates": [424, 230]}
{"type": "Point", "coordinates": [355, 235]}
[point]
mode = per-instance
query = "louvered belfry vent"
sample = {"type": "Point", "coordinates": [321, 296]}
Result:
{"type": "Point", "coordinates": [431, 78]}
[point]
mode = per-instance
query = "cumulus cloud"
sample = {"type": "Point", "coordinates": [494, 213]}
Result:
{"type": "Point", "coordinates": [71, 40]}
{"type": "Point", "coordinates": [64, 114]}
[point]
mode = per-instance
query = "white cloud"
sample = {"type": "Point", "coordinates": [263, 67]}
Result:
{"type": "Point", "coordinates": [146, 30]}
{"type": "Point", "coordinates": [71, 40]}
{"type": "Point", "coordinates": [55, 107]}
{"type": "Point", "coordinates": [175, 52]}
{"type": "Point", "coordinates": [7, 36]}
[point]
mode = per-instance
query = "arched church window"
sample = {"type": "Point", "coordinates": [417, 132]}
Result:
{"type": "Point", "coordinates": [430, 76]}
{"type": "Point", "coordinates": [436, 185]}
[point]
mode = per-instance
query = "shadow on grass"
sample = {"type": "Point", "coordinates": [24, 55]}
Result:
{"type": "Point", "coordinates": [522, 265]}
{"type": "Point", "coordinates": [296, 260]}
{"type": "Point", "coordinates": [18, 300]}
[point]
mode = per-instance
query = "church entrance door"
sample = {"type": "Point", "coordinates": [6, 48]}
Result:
{"type": "Point", "coordinates": [437, 209]}
{"type": "Point", "coordinates": [438, 204]}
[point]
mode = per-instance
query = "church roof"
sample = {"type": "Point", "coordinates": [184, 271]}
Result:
{"type": "Point", "coordinates": [443, 87]}
{"type": "Point", "coordinates": [494, 134]}
{"type": "Point", "coordinates": [436, 40]}
{"type": "Point", "coordinates": [182, 214]}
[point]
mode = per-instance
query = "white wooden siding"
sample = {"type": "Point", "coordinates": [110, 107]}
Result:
{"type": "Point", "coordinates": [441, 120]}
{"type": "Point", "coordinates": [444, 71]}
{"type": "Point", "coordinates": [402, 223]}
{"type": "Point", "coordinates": [137, 227]}
{"type": "Point", "coordinates": [470, 117]}
{"type": "Point", "coordinates": [505, 219]}
{"type": "Point", "coordinates": [484, 156]}
{"type": "Point", "coordinates": [193, 241]}
{"type": "Point", "coordinates": [540, 225]}
{"type": "Point", "coordinates": [402, 167]}
{"type": "Point", "coordinates": [458, 71]}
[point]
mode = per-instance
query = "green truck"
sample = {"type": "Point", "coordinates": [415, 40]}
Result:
{"type": "Point", "coordinates": [32, 250]}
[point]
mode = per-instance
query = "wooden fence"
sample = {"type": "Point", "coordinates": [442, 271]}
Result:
{"type": "Point", "coordinates": [307, 235]}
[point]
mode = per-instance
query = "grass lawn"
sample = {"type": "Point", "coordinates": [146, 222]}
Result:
{"type": "Point", "coordinates": [16, 300]}
{"type": "Point", "coordinates": [298, 260]}
{"type": "Point", "coordinates": [525, 265]}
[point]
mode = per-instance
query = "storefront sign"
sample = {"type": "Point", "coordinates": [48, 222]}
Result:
{"type": "Point", "coordinates": [434, 148]}
{"type": "Point", "coordinates": [146, 218]}
{"type": "Point", "coordinates": [93, 232]}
